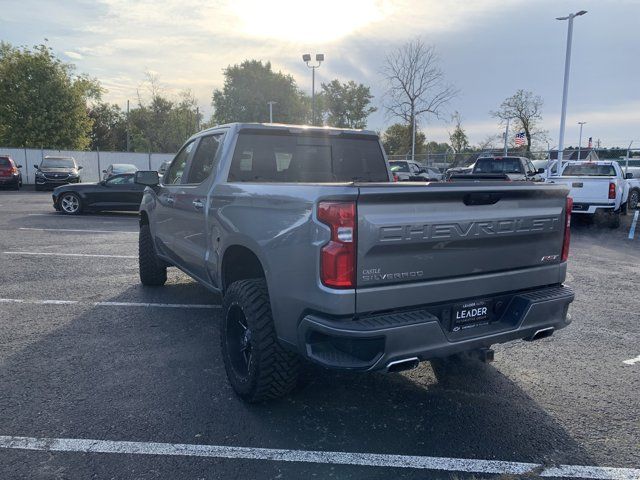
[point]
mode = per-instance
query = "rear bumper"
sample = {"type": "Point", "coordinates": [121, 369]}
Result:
{"type": "Point", "coordinates": [592, 208]}
{"type": "Point", "coordinates": [374, 341]}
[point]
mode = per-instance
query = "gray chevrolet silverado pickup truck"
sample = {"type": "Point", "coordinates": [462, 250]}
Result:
{"type": "Point", "coordinates": [319, 255]}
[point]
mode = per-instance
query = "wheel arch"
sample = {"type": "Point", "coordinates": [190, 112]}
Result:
{"type": "Point", "coordinates": [240, 263]}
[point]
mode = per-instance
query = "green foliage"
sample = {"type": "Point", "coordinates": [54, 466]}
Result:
{"type": "Point", "coordinates": [42, 102]}
{"type": "Point", "coordinates": [345, 105]}
{"type": "Point", "coordinates": [109, 128]}
{"type": "Point", "coordinates": [397, 140]}
{"type": "Point", "coordinates": [163, 125]}
{"type": "Point", "coordinates": [247, 89]}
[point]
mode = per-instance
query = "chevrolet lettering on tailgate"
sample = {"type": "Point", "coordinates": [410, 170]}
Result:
{"type": "Point", "coordinates": [479, 229]}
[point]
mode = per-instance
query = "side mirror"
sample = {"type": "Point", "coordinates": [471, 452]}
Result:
{"type": "Point", "coordinates": [149, 178]}
{"type": "Point", "coordinates": [103, 183]}
{"type": "Point", "coordinates": [104, 171]}
{"type": "Point", "coordinates": [80, 167]}
{"type": "Point", "coordinates": [36, 167]}
{"type": "Point", "coordinates": [19, 166]}
{"type": "Point", "coordinates": [629, 175]}
{"type": "Point", "coordinates": [541, 170]}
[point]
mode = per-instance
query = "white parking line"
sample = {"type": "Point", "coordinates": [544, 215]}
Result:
{"type": "Point", "coordinates": [632, 361]}
{"type": "Point", "coordinates": [154, 305]}
{"type": "Point", "coordinates": [109, 304]}
{"type": "Point", "coordinates": [632, 230]}
{"type": "Point", "coordinates": [306, 456]}
{"type": "Point", "coordinates": [74, 230]}
{"type": "Point", "coordinates": [51, 254]}
{"type": "Point", "coordinates": [39, 302]}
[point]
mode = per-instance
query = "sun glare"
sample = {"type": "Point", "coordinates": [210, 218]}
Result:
{"type": "Point", "coordinates": [300, 21]}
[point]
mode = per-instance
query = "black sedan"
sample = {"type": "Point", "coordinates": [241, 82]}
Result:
{"type": "Point", "coordinates": [118, 193]}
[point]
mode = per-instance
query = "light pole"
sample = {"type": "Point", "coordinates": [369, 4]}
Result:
{"type": "Point", "coordinates": [565, 88]}
{"type": "Point", "coordinates": [307, 58]}
{"type": "Point", "coordinates": [271, 104]}
{"type": "Point", "coordinates": [580, 140]}
{"type": "Point", "coordinates": [506, 137]}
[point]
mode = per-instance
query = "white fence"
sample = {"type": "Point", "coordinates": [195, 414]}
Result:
{"type": "Point", "coordinates": [92, 162]}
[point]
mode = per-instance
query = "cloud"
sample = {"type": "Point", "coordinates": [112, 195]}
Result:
{"type": "Point", "coordinates": [73, 55]}
{"type": "Point", "coordinates": [489, 48]}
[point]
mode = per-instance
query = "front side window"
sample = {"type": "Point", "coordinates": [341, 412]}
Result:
{"type": "Point", "coordinates": [173, 175]}
{"type": "Point", "coordinates": [399, 167]}
{"type": "Point", "coordinates": [203, 162]}
{"type": "Point", "coordinates": [282, 157]}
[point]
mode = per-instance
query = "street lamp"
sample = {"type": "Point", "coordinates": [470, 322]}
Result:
{"type": "Point", "coordinates": [580, 141]}
{"type": "Point", "coordinates": [271, 104]}
{"type": "Point", "coordinates": [565, 88]}
{"type": "Point", "coordinates": [307, 58]}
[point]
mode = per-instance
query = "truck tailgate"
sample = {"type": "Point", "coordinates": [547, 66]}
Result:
{"type": "Point", "coordinates": [587, 189]}
{"type": "Point", "coordinates": [444, 234]}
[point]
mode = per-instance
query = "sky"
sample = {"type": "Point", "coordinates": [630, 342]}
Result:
{"type": "Point", "coordinates": [487, 48]}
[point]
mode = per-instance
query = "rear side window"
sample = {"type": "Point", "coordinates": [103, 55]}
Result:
{"type": "Point", "coordinates": [304, 158]}
{"type": "Point", "coordinates": [204, 159]}
{"type": "Point", "coordinates": [589, 170]}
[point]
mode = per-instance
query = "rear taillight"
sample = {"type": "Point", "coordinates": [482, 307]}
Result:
{"type": "Point", "coordinates": [567, 230]}
{"type": "Point", "coordinates": [338, 257]}
{"type": "Point", "coordinates": [395, 178]}
{"type": "Point", "coordinates": [612, 191]}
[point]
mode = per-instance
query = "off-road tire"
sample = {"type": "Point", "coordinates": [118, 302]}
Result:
{"type": "Point", "coordinates": [272, 370]}
{"type": "Point", "coordinates": [634, 198]}
{"type": "Point", "coordinates": [153, 271]}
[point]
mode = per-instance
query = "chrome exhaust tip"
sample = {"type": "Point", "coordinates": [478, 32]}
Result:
{"type": "Point", "coordinates": [401, 365]}
{"type": "Point", "coordinates": [542, 333]}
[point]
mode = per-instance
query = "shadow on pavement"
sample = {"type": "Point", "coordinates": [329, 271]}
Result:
{"type": "Point", "coordinates": [156, 375]}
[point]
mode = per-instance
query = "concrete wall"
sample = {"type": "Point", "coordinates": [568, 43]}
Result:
{"type": "Point", "coordinates": [92, 162]}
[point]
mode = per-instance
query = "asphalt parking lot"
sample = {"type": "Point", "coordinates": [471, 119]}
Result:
{"type": "Point", "coordinates": [87, 353]}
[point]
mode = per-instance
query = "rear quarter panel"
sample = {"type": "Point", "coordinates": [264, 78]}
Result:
{"type": "Point", "coordinates": [278, 223]}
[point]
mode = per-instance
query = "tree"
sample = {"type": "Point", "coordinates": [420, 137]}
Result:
{"type": "Point", "coordinates": [162, 124]}
{"type": "Point", "coordinates": [397, 140]}
{"type": "Point", "coordinates": [109, 127]}
{"type": "Point", "coordinates": [345, 105]}
{"type": "Point", "coordinates": [458, 138]}
{"type": "Point", "coordinates": [416, 84]}
{"type": "Point", "coordinates": [42, 102]}
{"type": "Point", "coordinates": [524, 110]}
{"type": "Point", "coordinates": [247, 89]}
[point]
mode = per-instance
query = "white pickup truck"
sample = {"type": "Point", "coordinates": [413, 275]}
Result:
{"type": "Point", "coordinates": [598, 188]}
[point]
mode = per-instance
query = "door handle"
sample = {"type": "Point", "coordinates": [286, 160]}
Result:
{"type": "Point", "coordinates": [197, 204]}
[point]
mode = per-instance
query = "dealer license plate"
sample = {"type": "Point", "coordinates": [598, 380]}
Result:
{"type": "Point", "coordinates": [471, 314]}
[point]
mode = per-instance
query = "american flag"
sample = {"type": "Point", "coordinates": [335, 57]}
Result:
{"type": "Point", "coordinates": [520, 139]}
